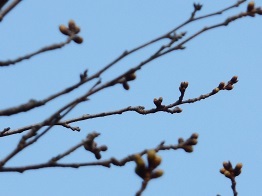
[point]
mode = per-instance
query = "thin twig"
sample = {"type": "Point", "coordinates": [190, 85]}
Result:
{"type": "Point", "coordinates": [44, 49]}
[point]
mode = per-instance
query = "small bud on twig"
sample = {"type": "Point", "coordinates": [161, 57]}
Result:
{"type": "Point", "coordinates": [250, 6]}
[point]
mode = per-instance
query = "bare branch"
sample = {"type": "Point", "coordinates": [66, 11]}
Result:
{"type": "Point", "coordinates": [8, 9]}
{"type": "Point", "coordinates": [106, 163]}
{"type": "Point", "coordinates": [44, 49]}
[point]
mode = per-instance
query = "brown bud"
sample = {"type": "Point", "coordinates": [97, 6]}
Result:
{"type": "Point", "coordinates": [250, 6]}
{"type": "Point", "coordinates": [194, 136]}
{"type": "Point", "coordinates": [71, 25]}
{"type": "Point", "coordinates": [63, 29]}
{"type": "Point", "coordinates": [157, 174]}
{"type": "Point", "coordinates": [223, 170]}
{"type": "Point", "coordinates": [221, 85]}
{"type": "Point", "coordinates": [215, 90]}
{"type": "Point", "coordinates": [139, 161]}
{"type": "Point", "coordinates": [156, 162]}
{"type": "Point", "coordinates": [234, 79]}
{"type": "Point", "coordinates": [180, 140]}
{"type": "Point", "coordinates": [140, 171]}
{"type": "Point", "coordinates": [237, 172]}
{"type": "Point", "coordinates": [158, 101]}
{"type": "Point", "coordinates": [192, 142]}
{"type": "Point", "coordinates": [228, 174]}
{"type": "Point", "coordinates": [197, 6]}
{"type": "Point", "coordinates": [239, 166]}
{"type": "Point", "coordinates": [227, 165]}
{"type": "Point", "coordinates": [188, 148]}
{"type": "Point", "coordinates": [126, 86]}
{"type": "Point", "coordinates": [103, 148]}
{"type": "Point", "coordinates": [237, 169]}
{"type": "Point", "coordinates": [78, 39]}
{"type": "Point", "coordinates": [151, 155]}
{"type": "Point", "coordinates": [229, 87]}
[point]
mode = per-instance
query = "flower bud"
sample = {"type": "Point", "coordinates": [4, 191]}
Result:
{"type": "Point", "coordinates": [221, 85]}
{"type": "Point", "coordinates": [215, 90]}
{"type": "Point", "coordinates": [126, 86]}
{"type": "Point", "coordinates": [234, 79]}
{"type": "Point", "coordinates": [192, 141]}
{"type": "Point", "coordinates": [78, 39]}
{"type": "Point", "coordinates": [229, 87]}
{"type": "Point", "coordinates": [180, 140]}
{"type": "Point", "coordinates": [157, 174]}
{"type": "Point", "coordinates": [250, 6]}
{"type": "Point", "coordinates": [151, 155]}
{"type": "Point", "coordinates": [194, 136]}
{"type": "Point", "coordinates": [227, 165]}
{"type": "Point", "coordinates": [188, 148]}
{"type": "Point", "coordinates": [63, 29]}
{"type": "Point", "coordinates": [156, 162]}
{"type": "Point", "coordinates": [223, 170]}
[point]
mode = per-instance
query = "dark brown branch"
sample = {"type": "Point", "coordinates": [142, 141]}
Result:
{"type": "Point", "coordinates": [32, 104]}
{"type": "Point", "coordinates": [2, 3]}
{"type": "Point", "coordinates": [143, 187]}
{"type": "Point", "coordinates": [105, 163]}
{"type": "Point", "coordinates": [171, 108]}
{"type": "Point", "coordinates": [233, 186]}
{"type": "Point", "coordinates": [33, 133]}
{"type": "Point", "coordinates": [8, 9]}
{"type": "Point", "coordinates": [44, 49]}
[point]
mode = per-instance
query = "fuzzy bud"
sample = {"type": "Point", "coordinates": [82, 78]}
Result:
{"type": "Point", "coordinates": [234, 79]}
{"type": "Point", "coordinates": [229, 87]}
{"type": "Point", "coordinates": [194, 136]}
{"type": "Point", "coordinates": [180, 140]}
{"type": "Point", "coordinates": [250, 6]}
{"type": "Point", "coordinates": [126, 86]}
{"type": "Point", "coordinates": [63, 29]}
{"type": "Point", "coordinates": [156, 162]}
{"type": "Point", "coordinates": [227, 165]}
{"type": "Point", "coordinates": [151, 155]}
{"type": "Point", "coordinates": [221, 85]}
{"type": "Point", "coordinates": [188, 148]}
{"type": "Point", "coordinates": [223, 170]}
{"type": "Point", "coordinates": [215, 90]}
{"type": "Point", "coordinates": [78, 39]}
{"type": "Point", "coordinates": [192, 142]}
{"type": "Point", "coordinates": [157, 174]}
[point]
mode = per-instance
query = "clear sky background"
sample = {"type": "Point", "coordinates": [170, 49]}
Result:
{"type": "Point", "coordinates": [229, 123]}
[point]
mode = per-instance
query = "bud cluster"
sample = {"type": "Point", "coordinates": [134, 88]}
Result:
{"type": "Point", "coordinates": [158, 102]}
{"type": "Point", "coordinates": [197, 6]}
{"type": "Point", "coordinates": [223, 86]}
{"type": "Point", "coordinates": [183, 86]}
{"type": "Point", "coordinates": [148, 172]}
{"type": "Point", "coordinates": [72, 30]}
{"type": "Point", "coordinates": [91, 145]}
{"type": "Point", "coordinates": [189, 143]}
{"type": "Point", "coordinates": [228, 170]}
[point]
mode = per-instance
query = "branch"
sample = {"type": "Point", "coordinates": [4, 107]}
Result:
{"type": "Point", "coordinates": [44, 49]}
{"type": "Point", "coordinates": [171, 108]}
{"type": "Point", "coordinates": [106, 163]}
{"type": "Point", "coordinates": [8, 9]}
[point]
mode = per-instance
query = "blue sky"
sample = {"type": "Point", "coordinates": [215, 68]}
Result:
{"type": "Point", "coordinates": [229, 123]}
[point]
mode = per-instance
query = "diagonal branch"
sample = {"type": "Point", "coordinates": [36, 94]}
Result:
{"type": "Point", "coordinates": [44, 49]}
{"type": "Point", "coordinates": [8, 9]}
